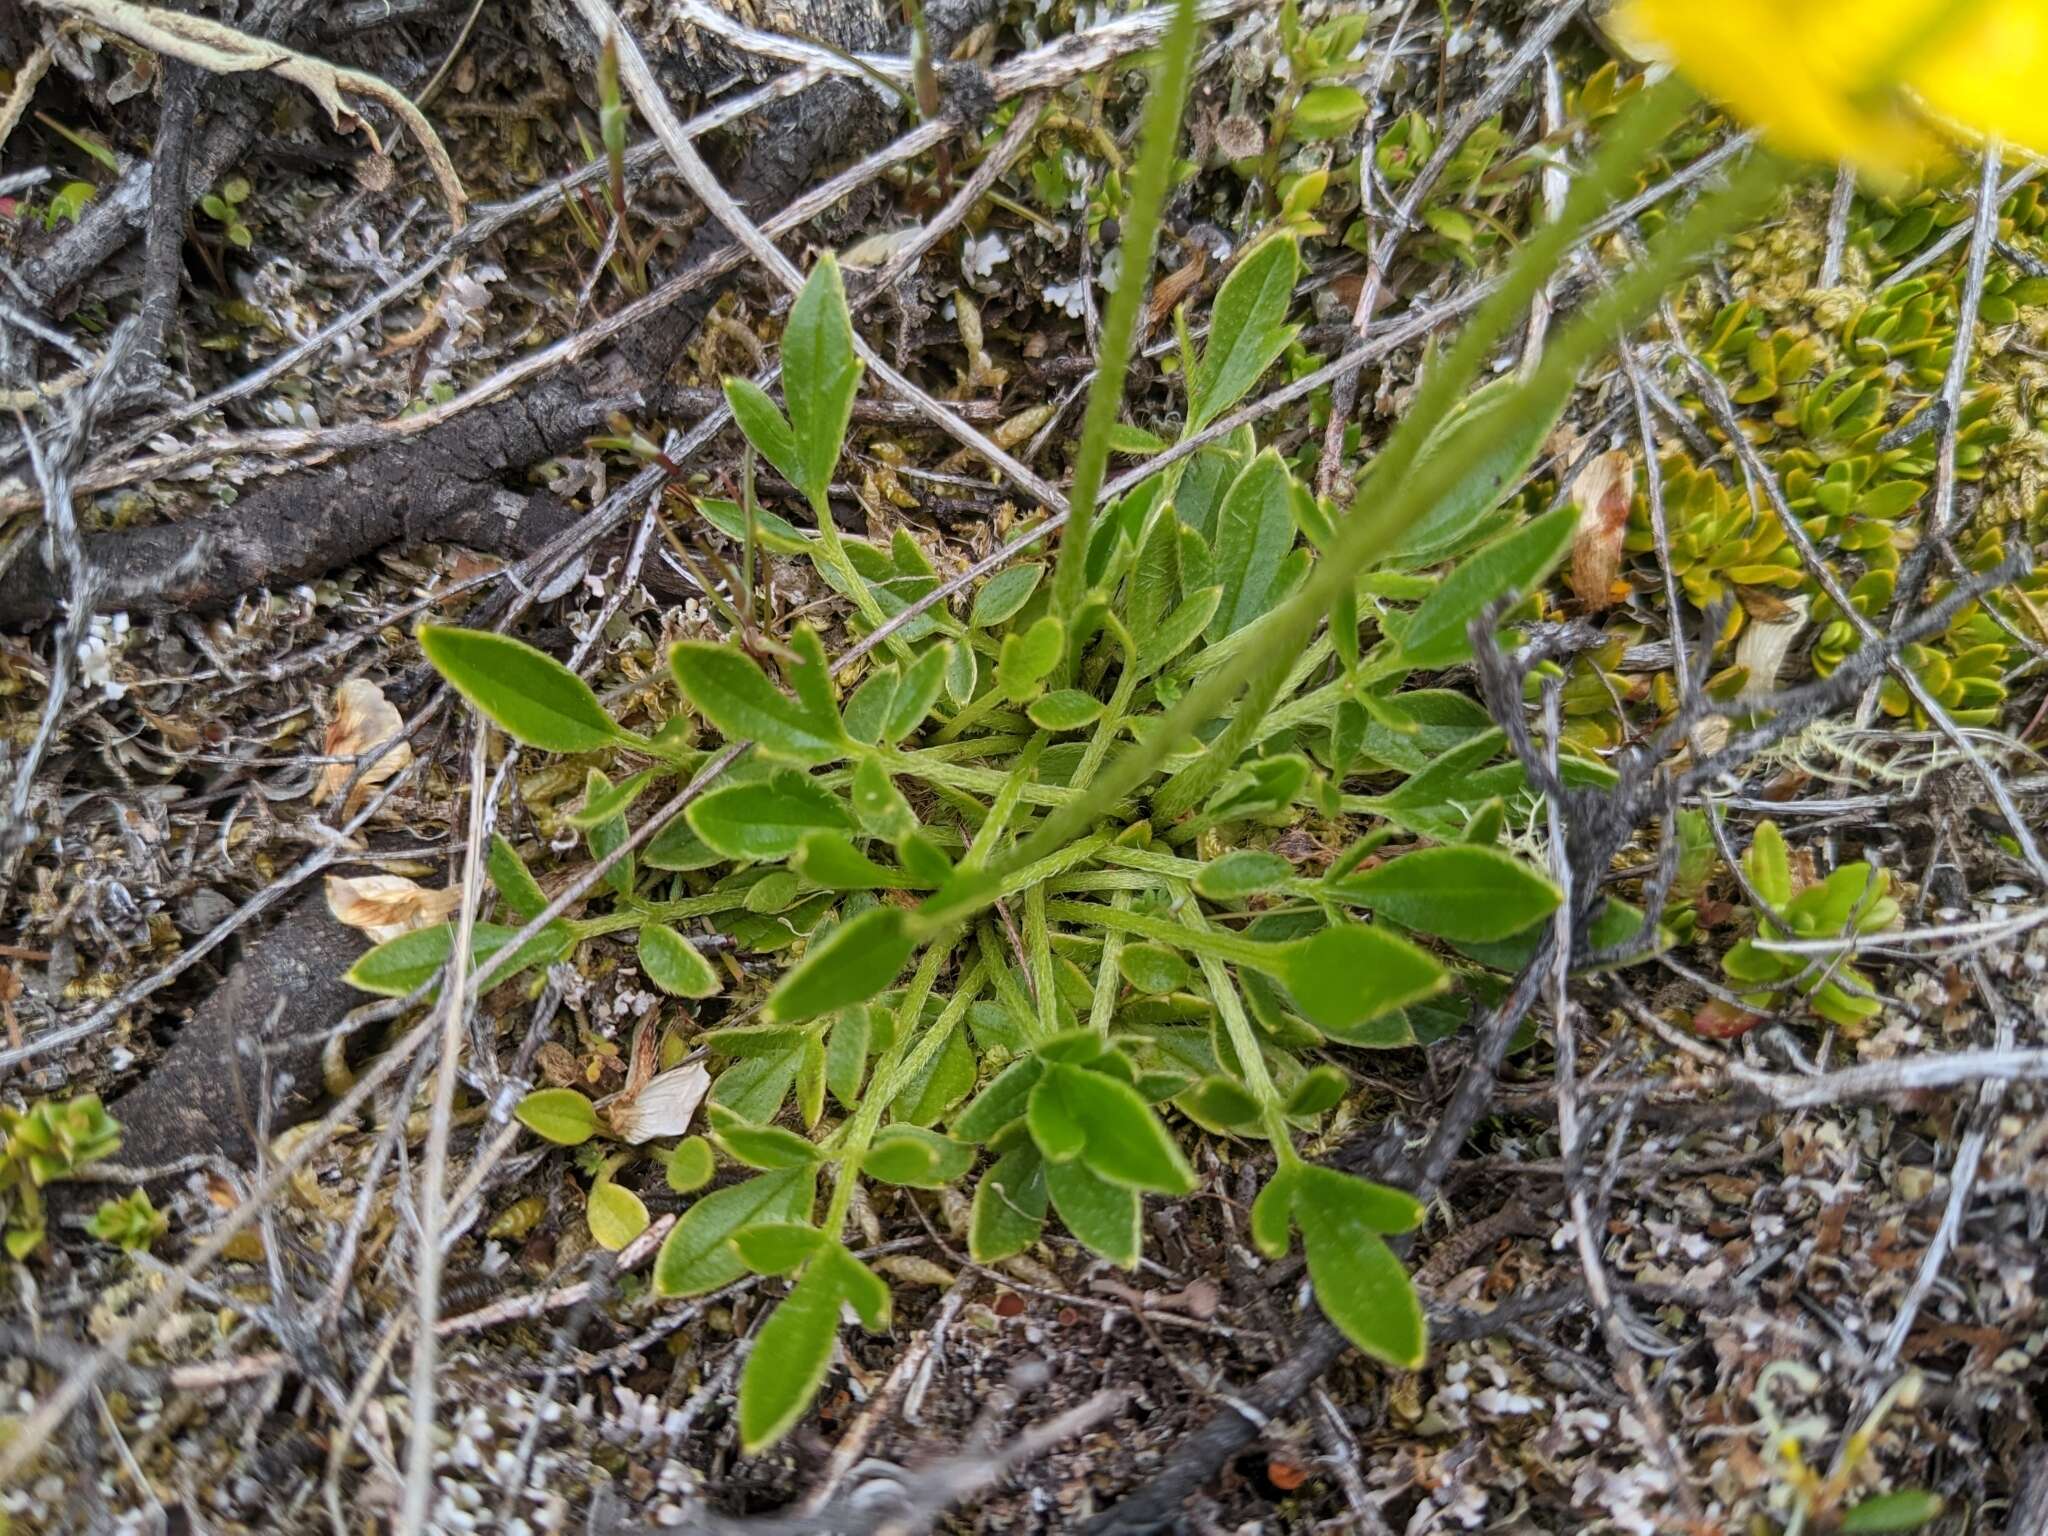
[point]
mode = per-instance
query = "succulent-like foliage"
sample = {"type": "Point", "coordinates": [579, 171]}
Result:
{"type": "Point", "coordinates": [1852, 901]}
{"type": "Point", "coordinates": [49, 1140]}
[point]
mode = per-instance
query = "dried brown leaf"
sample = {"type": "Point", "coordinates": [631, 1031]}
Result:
{"type": "Point", "coordinates": [385, 906]}
{"type": "Point", "coordinates": [1174, 287]}
{"type": "Point", "coordinates": [665, 1106]}
{"type": "Point", "coordinates": [363, 718]}
{"type": "Point", "coordinates": [1602, 492]}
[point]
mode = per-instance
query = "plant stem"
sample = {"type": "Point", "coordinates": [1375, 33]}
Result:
{"type": "Point", "coordinates": [1038, 955]}
{"type": "Point", "coordinates": [1202, 939]}
{"type": "Point", "coordinates": [842, 567]}
{"type": "Point", "coordinates": [1161, 134]}
{"type": "Point", "coordinates": [1112, 718]}
{"type": "Point", "coordinates": [1005, 806]}
{"type": "Point", "coordinates": [1251, 1057]}
{"type": "Point", "coordinates": [981, 781]}
{"type": "Point", "coordinates": [1106, 977]}
{"type": "Point", "coordinates": [933, 1040]}
{"type": "Point", "coordinates": [861, 1129]}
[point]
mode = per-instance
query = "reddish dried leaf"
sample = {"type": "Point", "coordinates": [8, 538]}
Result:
{"type": "Point", "coordinates": [1602, 491]}
{"type": "Point", "coordinates": [1718, 1020]}
{"type": "Point", "coordinates": [1285, 1475]}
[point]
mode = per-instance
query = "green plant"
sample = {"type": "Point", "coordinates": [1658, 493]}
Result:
{"type": "Point", "coordinates": [1719, 542]}
{"type": "Point", "coordinates": [67, 204]}
{"type": "Point", "coordinates": [1851, 901]}
{"type": "Point", "coordinates": [1813, 1495]}
{"type": "Point", "coordinates": [608, 231]}
{"type": "Point", "coordinates": [130, 1222]}
{"type": "Point", "coordinates": [48, 1141]}
{"type": "Point", "coordinates": [1316, 103]}
{"type": "Point", "coordinates": [68, 201]}
{"type": "Point", "coordinates": [1064, 816]}
{"type": "Point", "coordinates": [225, 209]}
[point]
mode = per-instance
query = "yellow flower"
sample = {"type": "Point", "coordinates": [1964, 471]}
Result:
{"type": "Point", "coordinates": [1870, 82]}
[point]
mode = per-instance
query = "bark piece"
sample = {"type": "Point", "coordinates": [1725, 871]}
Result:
{"type": "Point", "coordinates": [189, 1102]}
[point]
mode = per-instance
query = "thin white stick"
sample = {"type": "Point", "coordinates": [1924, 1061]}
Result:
{"type": "Point", "coordinates": [419, 1459]}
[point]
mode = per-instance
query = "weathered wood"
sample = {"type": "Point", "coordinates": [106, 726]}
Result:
{"type": "Point", "coordinates": [197, 1096]}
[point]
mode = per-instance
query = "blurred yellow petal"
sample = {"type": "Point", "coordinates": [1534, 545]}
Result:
{"type": "Point", "coordinates": [1990, 72]}
{"type": "Point", "coordinates": [1812, 74]}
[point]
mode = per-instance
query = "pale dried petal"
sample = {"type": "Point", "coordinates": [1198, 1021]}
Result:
{"type": "Point", "coordinates": [665, 1107]}
{"type": "Point", "coordinates": [363, 718]}
{"type": "Point", "coordinates": [1602, 492]}
{"type": "Point", "coordinates": [1764, 647]}
{"type": "Point", "coordinates": [385, 906]}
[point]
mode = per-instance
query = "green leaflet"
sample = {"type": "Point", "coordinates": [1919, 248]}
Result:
{"type": "Point", "coordinates": [794, 1347]}
{"type": "Point", "coordinates": [515, 884]}
{"type": "Point", "coordinates": [916, 692]}
{"type": "Point", "coordinates": [855, 961]}
{"type": "Point", "coordinates": [913, 1156]}
{"type": "Point", "coordinates": [1242, 872]}
{"type": "Point", "coordinates": [1320, 1090]}
{"type": "Point", "coordinates": [1028, 658]}
{"type": "Point", "coordinates": [766, 818]}
{"type": "Point", "coordinates": [560, 1115]}
{"type": "Point", "coordinates": [397, 966]}
{"type": "Point", "coordinates": [615, 1214]}
{"type": "Point", "coordinates": [1349, 974]}
{"type": "Point", "coordinates": [532, 697]}
{"type": "Point", "coordinates": [789, 1358]}
{"type": "Point", "coordinates": [1254, 531]}
{"type": "Point", "coordinates": [1768, 865]}
{"type": "Point", "coordinates": [769, 1147]}
{"type": "Point", "coordinates": [777, 1247]}
{"type": "Point", "coordinates": [1002, 1102]}
{"type": "Point", "coordinates": [725, 686]}
{"type": "Point", "coordinates": [1247, 330]}
{"type": "Point", "coordinates": [1102, 1215]}
{"type": "Point", "coordinates": [1075, 1113]}
{"type": "Point", "coordinates": [766, 428]}
{"type": "Point", "coordinates": [603, 837]}
{"type": "Point", "coordinates": [697, 1255]}
{"type": "Point", "coordinates": [1004, 595]}
{"type": "Point", "coordinates": [1202, 484]}
{"type": "Point", "coordinates": [1273, 1212]}
{"type": "Point", "coordinates": [672, 963]}
{"type": "Point", "coordinates": [1178, 630]}
{"type": "Point", "coordinates": [1907, 1509]}
{"type": "Point", "coordinates": [1329, 112]}
{"type": "Point", "coordinates": [945, 1081]}
{"type": "Point", "coordinates": [1066, 709]}
{"type": "Point", "coordinates": [1009, 1206]}
{"type": "Point", "coordinates": [880, 806]}
{"type": "Point", "coordinates": [1462, 892]}
{"type": "Point", "coordinates": [1360, 1285]}
{"type": "Point", "coordinates": [846, 1052]}
{"type": "Point", "coordinates": [820, 376]}
{"type": "Point", "coordinates": [604, 801]}
{"type": "Point", "coordinates": [1153, 968]}
{"type": "Point", "coordinates": [829, 860]}
{"type": "Point", "coordinates": [689, 1166]}
{"type": "Point", "coordinates": [1436, 636]}
{"type": "Point", "coordinates": [775, 534]}
{"type": "Point", "coordinates": [1493, 440]}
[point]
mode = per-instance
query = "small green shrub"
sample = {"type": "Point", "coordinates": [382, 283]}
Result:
{"type": "Point", "coordinates": [1853, 900]}
{"type": "Point", "coordinates": [1106, 823]}
{"type": "Point", "coordinates": [48, 1141]}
